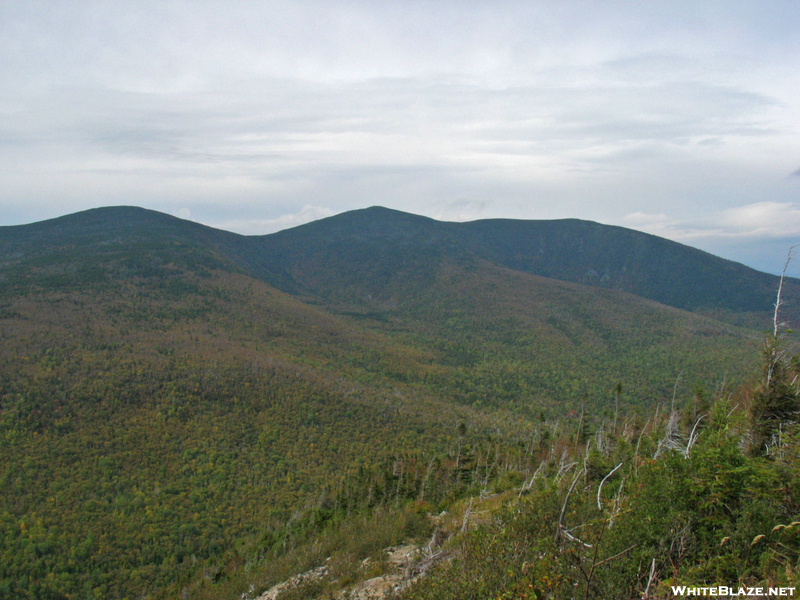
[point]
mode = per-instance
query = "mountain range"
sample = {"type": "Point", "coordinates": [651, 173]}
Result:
{"type": "Point", "coordinates": [369, 252]}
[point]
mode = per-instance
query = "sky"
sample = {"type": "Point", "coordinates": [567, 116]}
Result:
{"type": "Point", "coordinates": [681, 119]}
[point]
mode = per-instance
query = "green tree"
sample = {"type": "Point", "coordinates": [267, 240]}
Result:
{"type": "Point", "coordinates": [777, 398]}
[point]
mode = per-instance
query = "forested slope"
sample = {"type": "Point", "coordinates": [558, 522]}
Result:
{"type": "Point", "coordinates": [176, 401]}
{"type": "Point", "coordinates": [396, 249]}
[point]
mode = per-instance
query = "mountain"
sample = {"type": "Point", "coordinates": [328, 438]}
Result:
{"type": "Point", "coordinates": [388, 244]}
{"type": "Point", "coordinates": [369, 252]}
{"type": "Point", "coordinates": [523, 315]}
{"type": "Point", "coordinates": [174, 399]}
{"type": "Point", "coordinates": [474, 302]}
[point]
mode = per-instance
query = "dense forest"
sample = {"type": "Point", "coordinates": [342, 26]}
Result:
{"type": "Point", "coordinates": [182, 415]}
{"type": "Point", "coordinates": [699, 494]}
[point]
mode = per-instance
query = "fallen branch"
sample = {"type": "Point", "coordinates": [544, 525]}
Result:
{"type": "Point", "coordinates": [692, 437]}
{"type": "Point", "coordinates": [600, 488]}
{"type": "Point", "coordinates": [560, 529]}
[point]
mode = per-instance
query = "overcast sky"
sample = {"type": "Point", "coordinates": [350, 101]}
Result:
{"type": "Point", "coordinates": [677, 118]}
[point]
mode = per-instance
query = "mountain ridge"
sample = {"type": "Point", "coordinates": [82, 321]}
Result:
{"type": "Point", "coordinates": [379, 243]}
{"type": "Point", "coordinates": [573, 250]}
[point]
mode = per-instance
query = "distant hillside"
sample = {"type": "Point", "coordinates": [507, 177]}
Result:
{"type": "Point", "coordinates": [97, 246]}
{"type": "Point", "coordinates": [377, 245]}
{"type": "Point", "coordinates": [551, 310]}
{"type": "Point", "coordinates": [370, 252]}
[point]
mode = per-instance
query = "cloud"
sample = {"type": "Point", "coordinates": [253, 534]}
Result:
{"type": "Point", "coordinates": [764, 219]}
{"type": "Point", "coordinates": [463, 209]}
{"type": "Point", "coordinates": [249, 226]}
{"type": "Point", "coordinates": [758, 234]}
{"type": "Point", "coordinates": [640, 220]}
{"type": "Point", "coordinates": [760, 220]}
{"type": "Point", "coordinates": [662, 225]}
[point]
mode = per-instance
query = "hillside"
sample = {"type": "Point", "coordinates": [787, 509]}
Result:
{"type": "Point", "coordinates": [176, 398]}
{"type": "Point", "coordinates": [378, 252]}
{"type": "Point", "coordinates": [424, 285]}
{"type": "Point", "coordinates": [386, 247]}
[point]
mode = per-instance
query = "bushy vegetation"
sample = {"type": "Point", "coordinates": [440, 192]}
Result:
{"type": "Point", "coordinates": [625, 510]}
{"type": "Point", "coordinates": [704, 514]}
{"type": "Point", "coordinates": [706, 496]}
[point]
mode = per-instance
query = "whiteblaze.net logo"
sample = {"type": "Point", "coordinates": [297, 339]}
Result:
{"type": "Point", "coordinates": [723, 591]}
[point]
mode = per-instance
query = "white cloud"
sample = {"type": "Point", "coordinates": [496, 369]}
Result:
{"type": "Point", "coordinates": [760, 220]}
{"type": "Point", "coordinates": [664, 226]}
{"type": "Point", "coordinates": [640, 220]}
{"type": "Point", "coordinates": [463, 209]}
{"type": "Point", "coordinates": [758, 234]}
{"type": "Point", "coordinates": [764, 219]}
{"type": "Point", "coordinates": [247, 226]}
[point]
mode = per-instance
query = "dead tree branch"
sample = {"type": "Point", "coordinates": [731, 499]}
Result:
{"type": "Point", "coordinates": [600, 487]}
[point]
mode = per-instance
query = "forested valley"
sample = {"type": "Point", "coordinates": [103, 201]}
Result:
{"type": "Point", "coordinates": [186, 413]}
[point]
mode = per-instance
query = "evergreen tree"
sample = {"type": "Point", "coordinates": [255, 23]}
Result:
{"type": "Point", "coordinates": [776, 401]}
